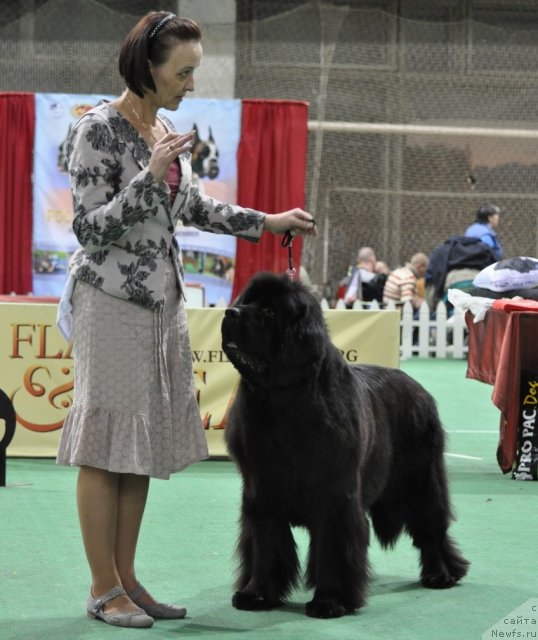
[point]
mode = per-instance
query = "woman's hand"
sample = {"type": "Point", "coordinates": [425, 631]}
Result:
{"type": "Point", "coordinates": [168, 148]}
{"type": "Point", "coordinates": [296, 221]}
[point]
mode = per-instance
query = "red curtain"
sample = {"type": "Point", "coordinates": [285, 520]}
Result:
{"type": "Point", "coordinates": [17, 118]}
{"type": "Point", "coordinates": [271, 177]}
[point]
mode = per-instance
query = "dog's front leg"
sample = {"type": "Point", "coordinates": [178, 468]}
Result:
{"type": "Point", "coordinates": [268, 558]}
{"type": "Point", "coordinates": [337, 563]}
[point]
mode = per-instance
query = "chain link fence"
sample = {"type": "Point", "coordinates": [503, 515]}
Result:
{"type": "Point", "coordinates": [469, 65]}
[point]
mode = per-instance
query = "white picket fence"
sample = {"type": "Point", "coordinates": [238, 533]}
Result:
{"type": "Point", "coordinates": [440, 337]}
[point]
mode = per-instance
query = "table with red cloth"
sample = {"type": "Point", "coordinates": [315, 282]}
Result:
{"type": "Point", "coordinates": [502, 345]}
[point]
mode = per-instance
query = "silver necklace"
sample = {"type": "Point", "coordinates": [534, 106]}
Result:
{"type": "Point", "coordinates": [142, 123]}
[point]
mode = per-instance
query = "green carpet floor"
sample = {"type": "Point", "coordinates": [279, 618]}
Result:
{"type": "Point", "coordinates": [188, 537]}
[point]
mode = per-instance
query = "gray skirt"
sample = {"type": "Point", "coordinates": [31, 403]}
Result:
{"type": "Point", "coordinates": [134, 407]}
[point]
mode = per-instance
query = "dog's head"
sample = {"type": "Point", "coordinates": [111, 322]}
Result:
{"type": "Point", "coordinates": [205, 156]}
{"type": "Point", "coordinates": [274, 333]}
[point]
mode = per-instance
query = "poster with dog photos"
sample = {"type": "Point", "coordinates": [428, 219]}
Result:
{"type": "Point", "coordinates": [209, 259]}
{"type": "Point", "coordinates": [53, 237]}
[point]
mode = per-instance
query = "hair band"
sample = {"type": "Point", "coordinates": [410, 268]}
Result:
{"type": "Point", "coordinates": [160, 25]}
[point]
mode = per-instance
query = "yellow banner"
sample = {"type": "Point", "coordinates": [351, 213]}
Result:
{"type": "Point", "coordinates": [36, 367]}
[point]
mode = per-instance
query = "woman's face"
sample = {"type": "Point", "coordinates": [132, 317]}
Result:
{"type": "Point", "coordinates": [494, 220]}
{"type": "Point", "coordinates": [174, 78]}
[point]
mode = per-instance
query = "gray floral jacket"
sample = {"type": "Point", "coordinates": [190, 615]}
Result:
{"type": "Point", "coordinates": [123, 218]}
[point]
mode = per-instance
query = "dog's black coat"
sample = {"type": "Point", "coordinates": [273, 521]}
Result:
{"type": "Point", "coordinates": [320, 444]}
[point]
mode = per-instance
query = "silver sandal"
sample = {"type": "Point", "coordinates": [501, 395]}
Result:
{"type": "Point", "coordinates": [157, 610]}
{"type": "Point", "coordinates": [95, 606]}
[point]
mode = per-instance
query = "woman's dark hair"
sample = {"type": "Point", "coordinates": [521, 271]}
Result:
{"type": "Point", "coordinates": [484, 212]}
{"type": "Point", "coordinates": [151, 39]}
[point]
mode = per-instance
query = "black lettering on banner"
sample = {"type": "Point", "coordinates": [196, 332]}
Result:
{"type": "Point", "coordinates": [351, 355]}
{"type": "Point", "coordinates": [210, 356]}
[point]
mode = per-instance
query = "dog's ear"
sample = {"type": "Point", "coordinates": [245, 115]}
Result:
{"type": "Point", "coordinates": [312, 326]}
{"type": "Point", "coordinates": [196, 134]}
{"type": "Point", "coordinates": [211, 136]}
{"type": "Point", "coordinates": [307, 335]}
{"type": "Point", "coordinates": [238, 300]}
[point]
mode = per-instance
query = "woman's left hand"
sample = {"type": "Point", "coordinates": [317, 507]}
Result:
{"type": "Point", "coordinates": [296, 221]}
{"type": "Point", "coordinates": [166, 150]}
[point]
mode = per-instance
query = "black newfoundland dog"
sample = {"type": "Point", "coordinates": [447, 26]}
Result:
{"type": "Point", "coordinates": [322, 445]}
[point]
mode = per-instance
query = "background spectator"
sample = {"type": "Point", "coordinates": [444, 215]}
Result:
{"type": "Point", "coordinates": [382, 268]}
{"type": "Point", "coordinates": [487, 220]}
{"type": "Point", "coordinates": [403, 284]}
{"type": "Point", "coordinates": [366, 282]}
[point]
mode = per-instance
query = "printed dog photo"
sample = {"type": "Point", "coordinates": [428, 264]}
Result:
{"type": "Point", "coordinates": [330, 447]}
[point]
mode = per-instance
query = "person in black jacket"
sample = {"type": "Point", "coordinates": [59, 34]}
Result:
{"type": "Point", "coordinates": [455, 263]}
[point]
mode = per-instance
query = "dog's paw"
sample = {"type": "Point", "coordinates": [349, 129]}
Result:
{"type": "Point", "coordinates": [248, 601]}
{"type": "Point", "coordinates": [457, 566]}
{"type": "Point", "coordinates": [446, 575]}
{"type": "Point", "coordinates": [438, 580]}
{"type": "Point", "coordinates": [325, 608]}
{"type": "Point", "coordinates": [443, 565]}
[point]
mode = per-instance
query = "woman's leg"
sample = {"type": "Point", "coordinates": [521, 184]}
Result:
{"type": "Point", "coordinates": [98, 501]}
{"type": "Point", "coordinates": [133, 492]}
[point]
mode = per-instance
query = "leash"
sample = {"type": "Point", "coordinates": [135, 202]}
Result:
{"type": "Point", "coordinates": [287, 241]}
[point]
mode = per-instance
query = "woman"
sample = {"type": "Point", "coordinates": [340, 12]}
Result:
{"type": "Point", "coordinates": [487, 220]}
{"type": "Point", "coordinates": [134, 414]}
